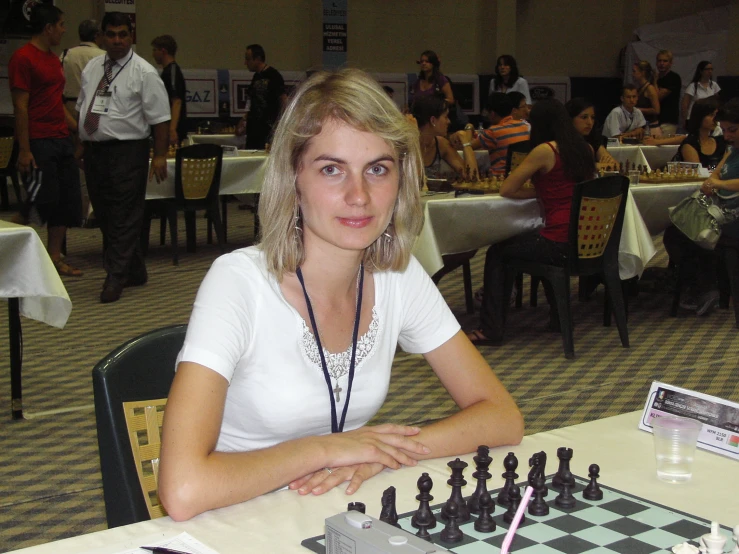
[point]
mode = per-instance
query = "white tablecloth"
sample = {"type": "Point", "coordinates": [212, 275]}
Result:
{"type": "Point", "coordinates": [242, 174]}
{"type": "Point", "coordinates": [26, 272]}
{"type": "Point", "coordinates": [656, 156]}
{"type": "Point", "coordinates": [223, 140]}
{"type": "Point", "coordinates": [653, 201]}
{"type": "Point", "coordinates": [279, 521]}
{"type": "Point", "coordinates": [454, 225]}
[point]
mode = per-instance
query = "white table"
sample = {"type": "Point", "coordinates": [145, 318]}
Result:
{"type": "Point", "coordinates": [33, 288]}
{"type": "Point", "coordinates": [654, 200]}
{"type": "Point", "coordinates": [242, 174]}
{"type": "Point", "coordinates": [455, 225]}
{"type": "Point", "coordinates": [656, 156]}
{"type": "Point", "coordinates": [222, 140]}
{"type": "Point", "coordinates": [279, 521]}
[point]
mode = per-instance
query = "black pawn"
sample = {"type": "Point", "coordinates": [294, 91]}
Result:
{"type": "Point", "coordinates": [483, 461]}
{"type": "Point", "coordinates": [514, 501]}
{"type": "Point", "coordinates": [565, 455]}
{"type": "Point", "coordinates": [356, 507]}
{"type": "Point", "coordinates": [510, 464]}
{"type": "Point", "coordinates": [457, 481]}
{"type": "Point", "coordinates": [485, 523]}
{"type": "Point", "coordinates": [593, 491]}
{"type": "Point", "coordinates": [565, 499]}
{"type": "Point", "coordinates": [539, 506]}
{"type": "Point", "coordinates": [389, 514]}
{"type": "Point", "coordinates": [424, 518]}
{"type": "Point", "coordinates": [452, 533]}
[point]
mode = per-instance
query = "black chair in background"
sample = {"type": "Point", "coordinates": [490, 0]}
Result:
{"type": "Point", "coordinates": [130, 387]}
{"type": "Point", "coordinates": [596, 220]}
{"type": "Point", "coordinates": [8, 158]}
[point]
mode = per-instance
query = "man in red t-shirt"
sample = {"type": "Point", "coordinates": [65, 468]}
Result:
{"type": "Point", "coordinates": [42, 123]}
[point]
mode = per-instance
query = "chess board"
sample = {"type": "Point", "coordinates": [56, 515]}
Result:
{"type": "Point", "coordinates": [620, 522]}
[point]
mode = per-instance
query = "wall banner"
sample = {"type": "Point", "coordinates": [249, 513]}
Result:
{"type": "Point", "coordinates": [334, 33]}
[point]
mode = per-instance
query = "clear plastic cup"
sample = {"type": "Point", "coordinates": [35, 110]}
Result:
{"type": "Point", "coordinates": [675, 440]}
{"type": "Point", "coordinates": [633, 176]}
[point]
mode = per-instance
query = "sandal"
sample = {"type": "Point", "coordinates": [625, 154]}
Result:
{"type": "Point", "coordinates": [66, 270]}
{"type": "Point", "coordinates": [477, 338]}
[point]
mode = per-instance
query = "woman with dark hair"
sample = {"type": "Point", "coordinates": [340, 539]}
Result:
{"type": "Point", "coordinates": [432, 117]}
{"type": "Point", "coordinates": [701, 86]}
{"type": "Point", "coordinates": [700, 145]}
{"type": "Point", "coordinates": [559, 158]}
{"type": "Point", "coordinates": [507, 78]}
{"type": "Point", "coordinates": [648, 101]}
{"type": "Point", "coordinates": [698, 265]}
{"type": "Point", "coordinates": [430, 80]}
{"type": "Point", "coordinates": [582, 113]}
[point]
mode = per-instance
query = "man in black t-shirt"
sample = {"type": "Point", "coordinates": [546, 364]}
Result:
{"type": "Point", "coordinates": [267, 98]}
{"type": "Point", "coordinates": [164, 51]}
{"type": "Point", "coordinates": [669, 85]}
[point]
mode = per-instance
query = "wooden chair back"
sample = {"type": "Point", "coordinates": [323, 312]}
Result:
{"type": "Point", "coordinates": [144, 423]}
{"type": "Point", "coordinates": [6, 151]}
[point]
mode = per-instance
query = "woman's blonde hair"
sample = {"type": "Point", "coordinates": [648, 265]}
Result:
{"type": "Point", "coordinates": [353, 97]}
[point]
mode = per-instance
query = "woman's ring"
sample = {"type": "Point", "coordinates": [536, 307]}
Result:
{"type": "Point", "coordinates": [330, 471]}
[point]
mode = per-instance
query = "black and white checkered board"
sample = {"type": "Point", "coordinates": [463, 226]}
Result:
{"type": "Point", "coordinates": [619, 523]}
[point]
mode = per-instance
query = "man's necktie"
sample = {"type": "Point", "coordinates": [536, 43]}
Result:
{"type": "Point", "coordinates": [92, 120]}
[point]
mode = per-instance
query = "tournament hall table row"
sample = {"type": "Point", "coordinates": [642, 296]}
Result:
{"type": "Point", "coordinates": [456, 225]}
{"type": "Point", "coordinates": [33, 288]}
{"type": "Point", "coordinates": [279, 521]}
{"type": "Point", "coordinates": [222, 140]}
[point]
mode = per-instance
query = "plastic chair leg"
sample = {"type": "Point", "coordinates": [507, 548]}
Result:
{"type": "Point", "coordinates": [616, 296]}
{"type": "Point", "coordinates": [561, 285]}
{"type": "Point", "coordinates": [215, 220]}
{"type": "Point", "coordinates": [533, 295]}
{"type": "Point", "coordinates": [467, 278]}
{"type": "Point", "coordinates": [162, 229]}
{"type": "Point", "coordinates": [172, 216]}
{"type": "Point", "coordinates": [190, 230]}
{"type": "Point", "coordinates": [519, 290]}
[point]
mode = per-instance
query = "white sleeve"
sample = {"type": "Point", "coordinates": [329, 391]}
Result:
{"type": "Point", "coordinates": [611, 127]}
{"type": "Point", "coordinates": [522, 86]}
{"type": "Point", "coordinates": [427, 320]}
{"type": "Point", "coordinates": [154, 99]}
{"type": "Point", "coordinates": [219, 328]}
{"type": "Point", "coordinates": [716, 88]}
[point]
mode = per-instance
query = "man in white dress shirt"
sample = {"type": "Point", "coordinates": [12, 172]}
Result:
{"type": "Point", "coordinates": [625, 121]}
{"type": "Point", "coordinates": [121, 97]}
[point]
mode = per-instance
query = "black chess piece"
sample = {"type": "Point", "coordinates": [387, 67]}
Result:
{"type": "Point", "coordinates": [593, 491]}
{"type": "Point", "coordinates": [389, 514]}
{"type": "Point", "coordinates": [565, 455]}
{"type": "Point", "coordinates": [539, 506]}
{"type": "Point", "coordinates": [565, 499]}
{"type": "Point", "coordinates": [510, 464]}
{"type": "Point", "coordinates": [356, 507]}
{"type": "Point", "coordinates": [452, 533]}
{"type": "Point", "coordinates": [485, 522]}
{"type": "Point", "coordinates": [482, 461]}
{"type": "Point", "coordinates": [457, 481]}
{"type": "Point", "coordinates": [424, 518]}
{"type": "Point", "coordinates": [514, 501]}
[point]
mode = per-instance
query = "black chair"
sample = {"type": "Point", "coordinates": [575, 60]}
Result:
{"type": "Point", "coordinates": [452, 262]}
{"type": "Point", "coordinates": [197, 186]}
{"type": "Point", "coordinates": [517, 152]}
{"type": "Point", "coordinates": [596, 220]}
{"type": "Point", "coordinates": [130, 386]}
{"type": "Point", "coordinates": [8, 157]}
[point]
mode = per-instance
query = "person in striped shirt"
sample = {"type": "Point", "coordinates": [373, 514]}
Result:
{"type": "Point", "coordinates": [503, 131]}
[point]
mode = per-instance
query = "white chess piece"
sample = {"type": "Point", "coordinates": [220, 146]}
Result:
{"type": "Point", "coordinates": [735, 550]}
{"type": "Point", "coordinates": [714, 543]}
{"type": "Point", "coordinates": [685, 548]}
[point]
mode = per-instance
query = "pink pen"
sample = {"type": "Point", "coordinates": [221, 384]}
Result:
{"type": "Point", "coordinates": [516, 520]}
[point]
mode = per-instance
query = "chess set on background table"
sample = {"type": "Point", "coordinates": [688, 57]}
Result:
{"type": "Point", "coordinates": [567, 514]}
{"type": "Point", "coordinates": [471, 182]}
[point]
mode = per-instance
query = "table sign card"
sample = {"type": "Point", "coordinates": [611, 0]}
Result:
{"type": "Point", "coordinates": [720, 418]}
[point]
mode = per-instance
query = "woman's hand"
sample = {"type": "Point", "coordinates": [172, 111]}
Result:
{"type": "Point", "coordinates": [328, 478]}
{"type": "Point", "coordinates": [387, 444]}
{"type": "Point", "coordinates": [710, 185]}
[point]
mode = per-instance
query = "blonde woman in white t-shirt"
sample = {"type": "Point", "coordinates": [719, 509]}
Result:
{"type": "Point", "coordinates": [293, 339]}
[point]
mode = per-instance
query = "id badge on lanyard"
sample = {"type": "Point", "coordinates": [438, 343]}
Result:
{"type": "Point", "coordinates": [101, 102]}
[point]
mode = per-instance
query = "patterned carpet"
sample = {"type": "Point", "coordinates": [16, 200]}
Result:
{"type": "Point", "coordinates": [50, 484]}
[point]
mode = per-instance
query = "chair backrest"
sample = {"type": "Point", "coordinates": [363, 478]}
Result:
{"type": "Point", "coordinates": [6, 151]}
{"type": "Point", "coordinates": [134, 378]}
{"type": "Point", "coordinates": [198, 173]}
{"type": "Point", "coordinates": [517, 152]}
{"type": "Point", "coordinates": [596, 220]}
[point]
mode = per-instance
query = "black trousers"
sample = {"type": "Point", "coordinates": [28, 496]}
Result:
{"type": "Point", "coordinates": [698, 266]}
{"type": "Point", "coordinates": [528, 246]}
{"type": "Point", "coordinates": [116, 173]}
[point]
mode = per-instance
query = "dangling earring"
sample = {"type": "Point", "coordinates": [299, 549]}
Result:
{"type": "Point", "coordinates": [296, 223]}
{"type": "Point", "coordinates": [386, 242]}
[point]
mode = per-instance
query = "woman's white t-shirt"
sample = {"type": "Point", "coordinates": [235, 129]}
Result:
{"type": "Point", "coordinates": [243, 328]}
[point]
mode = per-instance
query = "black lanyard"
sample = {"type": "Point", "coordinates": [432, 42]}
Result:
{"type": "Point", "coordinates": [336, 427]}
{"type": "Point", "coordinates": [105, 76]}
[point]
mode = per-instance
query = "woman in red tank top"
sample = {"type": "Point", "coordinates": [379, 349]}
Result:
{"type": "Point", "coordinates": [559, 158]}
